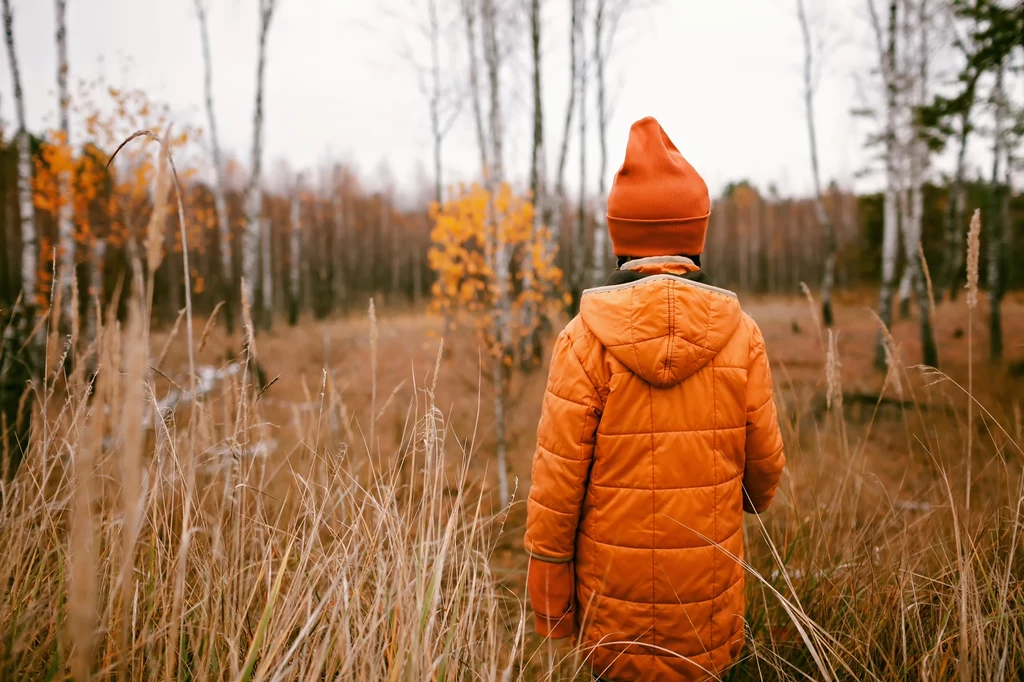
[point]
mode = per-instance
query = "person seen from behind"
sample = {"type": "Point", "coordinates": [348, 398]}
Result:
{"type": "Point", "coordinates": [658, 430]}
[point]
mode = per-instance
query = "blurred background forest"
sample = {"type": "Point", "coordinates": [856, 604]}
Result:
{"type": "Point", "coordinates": [941, 109]}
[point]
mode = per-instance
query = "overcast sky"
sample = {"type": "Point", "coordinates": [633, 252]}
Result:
{"type": "Point", "coordinates": [723, 77]}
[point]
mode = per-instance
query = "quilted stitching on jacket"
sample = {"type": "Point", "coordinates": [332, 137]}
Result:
{"type": "Point", "coordinates": [658, 429]}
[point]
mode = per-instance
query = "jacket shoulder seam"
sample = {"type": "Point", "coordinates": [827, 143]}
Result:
{"type": "Point", "coordinates": [585, 336]}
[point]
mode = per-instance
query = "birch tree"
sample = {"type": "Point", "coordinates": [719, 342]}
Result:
{"type": "Point", "coordinates": [65, 220]}
{"type": "Point", "coordinates": [339, 253]}
{"type": "Point", "coordinates": [15, 371]}
{"type": "Point", "coordinates": [939, 117]}
{"type": "Point", "coordinates": [1001, 38]}
{"type": "Point", "coordinates": [913, 89]}
{"type": "Point", "coordinates": [469, 15]}
{"type": "Point", "coordinates": [295, 253]}
{"type": "Point", "coordinates": [917, 17]}
{"type": "Point", "coordinates": [443, 105]}
{"type": "Point", "coordinates": [554, 206]}
{"type": "Point", "coordinates": [444, 102]}
{"type": "Point", "coordinates": [999, 215]}
{"type": "Point", "coordinates": [904, 77]}
{"type": "Point", "coordinates": [810, 77]}
{"type": "Point", "coordinates": [576, 274]}
{"type": "Point", "coordinates": [886, 39]}
{"type": "Point", "coordinates": [267, 272]}
{"type": "Point", "coordinates": [496, 252]}
{"type": "Point", "coordinates": [537, 152]}
{"type": "Point", "coordinates": [606, 21]}
{"type": "Point", "coordinates": [496, 175]}
{"type": "Point", "coordinates": [538, 190]}
{"type": "Point", "coordinates": [256, 228]}
{"type": "Point", "coordinates": [26, 208]}
{"type": "Point", "coordinates": [219, 194]}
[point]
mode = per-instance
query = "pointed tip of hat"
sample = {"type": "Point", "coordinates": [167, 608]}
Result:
{"type": "Point", "coordinates": [646, 121]}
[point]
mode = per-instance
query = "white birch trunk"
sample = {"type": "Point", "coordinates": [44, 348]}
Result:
{"type": "Point", "coordinates": [537, 165]}
{"type": "Point", "coordinates": [909, 227]}
{"type": "Point", "coordinates": [267, 271]}
{"type": "Point", "coordinates": [26, 208]}
{"type": "Point", "coordinates": [65, 220]}
{"type": "Point", "coordinates": [469, 12]}
{"type": "Point", "coordinates": [530, 323]}
{"type": "Point", "coordinates": [918, 171]}
{"type": "Point", "coordinates": [556, 206]}
{"type": "Point", "coordinates": [254, 228]}
{"type": "Point", "coordinates": [576, 275]}
{"type": "Point", "coordinates": [906, 287]}
{"type": "Point", "coordinates": [599, 256]}
{"type": "Point", "coordinates": [886, 40]}
{"type": "Point", "coordinates": [219, 197]}
{"type": "Point", "coordinates": [436, 128]}
{"type": "Point", "coordinates": [997, 221]}
{"type": "Point", "coordinates": [501, 260]}
{"type": "Point", "coordinates": [906, 228]}
{"type": "Point", "coordinates": [820, 214]}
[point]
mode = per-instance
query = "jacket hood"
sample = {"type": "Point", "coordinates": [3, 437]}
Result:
{"type": "Point", "coordinates": [662, 327]}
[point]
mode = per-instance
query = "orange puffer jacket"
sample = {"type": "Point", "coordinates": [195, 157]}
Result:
{"type": "Point", "coordinates": [658, 430]}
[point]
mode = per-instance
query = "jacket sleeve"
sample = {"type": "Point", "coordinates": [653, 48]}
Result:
{"type": "Point", "coordinates": [570, 414]}
{"type": "Point", "coordinates": [764, 454]}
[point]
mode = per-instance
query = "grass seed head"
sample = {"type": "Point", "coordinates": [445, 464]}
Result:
{"type": "Point", "coordinates": [973, 252]}
{"type": "Point", "coordinates": [158, 218]}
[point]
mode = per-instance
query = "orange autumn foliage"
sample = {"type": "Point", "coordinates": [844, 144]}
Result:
{"type": "Point", "coordinates": [110, 204]}
{"type": "Point", "coordinates": [468, 287]}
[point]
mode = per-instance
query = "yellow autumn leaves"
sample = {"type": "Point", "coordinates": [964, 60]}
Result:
{"type": "Point", "coordinates": [471, 233]}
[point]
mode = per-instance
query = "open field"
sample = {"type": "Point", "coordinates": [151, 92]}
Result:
{"type": "Point", "coordinates": [408, 345]}
{"type": "Point", "coordinates": [342, 523]}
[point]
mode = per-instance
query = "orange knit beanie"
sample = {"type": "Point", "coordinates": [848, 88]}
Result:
{"type": "Point", "coordinates": [658, 205]}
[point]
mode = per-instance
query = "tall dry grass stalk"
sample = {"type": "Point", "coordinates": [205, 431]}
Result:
{"type": "Point", "coordinates": [813, 307]}
{"type": "Point", "coordinates": [927, 278]}
{"type": "Point", "coordinates": [973, 255]}
{"type": "Point", "coordinates": [834, 386]}
{"type": "Point", "coordinates": [374, 340]}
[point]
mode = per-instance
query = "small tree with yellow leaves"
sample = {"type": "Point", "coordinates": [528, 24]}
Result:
{"type": "Point", "coordinates": [484, 243]}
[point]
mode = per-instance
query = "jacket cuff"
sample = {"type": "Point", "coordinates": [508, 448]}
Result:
{"type": "Point", "coordinates": [553, 595]}
{"type": "Point", "coordinates": [757, 505]}
{"type": "Point", "coordinates": [558, 627]}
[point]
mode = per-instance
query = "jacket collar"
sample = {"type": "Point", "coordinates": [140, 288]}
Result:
{"type": "Point", "coordinates": [678, 268]}
{"type": "Point", "coordinates": [662, 265]}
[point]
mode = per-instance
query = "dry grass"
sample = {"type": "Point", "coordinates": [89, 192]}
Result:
{"type": "Point", "coordinates": [366, 567]}
{"type": "Point", "coordinates": [309, 530]}
{"type": "Point", "coordinates": [362, 555]}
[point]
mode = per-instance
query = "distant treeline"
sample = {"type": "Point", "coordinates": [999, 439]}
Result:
{"type": "Point", "coordinates": [355, 243]}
